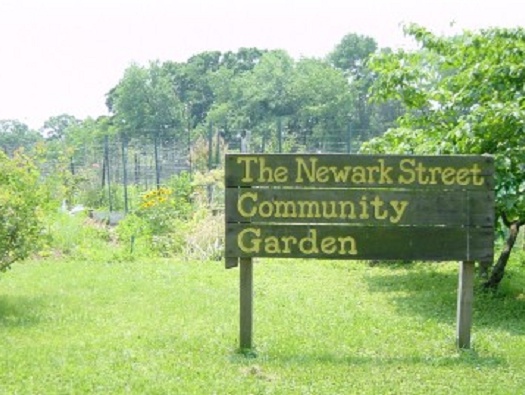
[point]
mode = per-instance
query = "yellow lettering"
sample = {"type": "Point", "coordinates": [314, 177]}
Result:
{"type": "Point", "coordinates": [328, 245]}
{"type": "Point", "coordinates": [265, 172]}
{"type": "Point", "coordinates": [253, 241]}
{"type": "Point", "coordinates": [247, 161]}
{"type": "Point", "coordinates": [308, 245]}
{"type": "Point", "coordinates": [448, 175]}
{"type": "Point", "coordinates": [281, 174]}
{"type": "Point", "coordinates": [399, 208]}
{"type": "Point", "coordinates": [371, 171]}
{"type": "Point", "coordinates": [340, 175]}
{"type": "Point", "coordinates": [477, 179]}
{"type": "Point", "coordinates": [462, 177]}
{"type": "Point", "coordinates": [350, 241]}
{"type": "Point", "coordinates": [285, 209]}
{"type": "Point", "coordinates": [421, 176]}
{"type": "Point", "coordinates": [240, 207]}
{"type": "Point", "coordinates": [308, 209]}
{"type": "Point", "coordinates": [377, 204]}
{"type": "Point", "coordinates": [266, 209]}
{"type": "Point", "coordinates": [359, 175]}
{"type": "Point", "coordinates": [364, 208]}
{"type": "Point", "coordinates": [271, 245]}
{"type": "Point", "coordinates": [411, 175]}
{"type": "Point", "coordinates": [326, 213]}
{"type": "Point", "coordinates": [351, 210]}
{"type": "Point", "coordinates": [322, 174]}
{"type": "Point", "coordinates": [433, 175]}
{"type": "Point", "coordinates": [288, 241]}
{"type": "Point", "coordinates": [309, 172]}
{"type": "Point", "coordinates": [253, 244]}
{"type": "Point", "coordinates": [384, 177]}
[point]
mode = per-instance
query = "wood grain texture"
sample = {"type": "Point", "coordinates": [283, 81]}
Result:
{"type": "Point", "coordinates": [430, 207]}
{"type": "Point", "coordinates": [262, 170]}
{"type": "Point", "coordinates": [383, 243]}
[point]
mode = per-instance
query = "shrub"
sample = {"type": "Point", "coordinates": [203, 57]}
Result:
{"type": "Point", "coordinates": [158, 224]}
{"type": "Point", "coordinates": [21, 209]}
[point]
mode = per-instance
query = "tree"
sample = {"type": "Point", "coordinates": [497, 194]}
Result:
{"type": "Point", "coordinates": [190, 81]}
{"type": "Point", "coordinates": [15, 134]}
{"type": "Point", "coordinates": [144, 103]}
{"type": "Point", "coordinates": [351, 56]}
{"type": "Point", "coordinates": [245, 59]}
{"type": "Point", "coordinates": [267, 88]}
{"type": "Point", "coordinates": [324, 101]}
{"type": "Point", "coordinates": [305, 102]}
{"type": "Point", "coordinates": [351, 52]}
{"type": "Point", "coordinates": [465, 96]}
{"type": "Point", "coordinates": [55, 127]}
{"type": "Point", "coordinates": [255, 99]}
{"type": "Point", "coordinates": [21, 212]}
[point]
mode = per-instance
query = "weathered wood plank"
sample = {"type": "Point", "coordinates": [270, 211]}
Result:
{"type": "Point", "coordinates": [231, 262]}
{"type": "Point", "coordinates": [246, 304]}
{"type": "Point", "coordinates": [371, 207]}
{"type": "Point", "coordinates": [465, 304]}
{"type": "Point", "coordinates": [384, 171]}
{"type": "Point", "coordinates": [359, 242]}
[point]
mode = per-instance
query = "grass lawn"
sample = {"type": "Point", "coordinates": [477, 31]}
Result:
{"type": "Point", "coordinates": [171, 327]}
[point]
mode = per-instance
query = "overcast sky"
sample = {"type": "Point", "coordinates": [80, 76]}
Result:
{"type": "Point", "coordinates": [63, 56]}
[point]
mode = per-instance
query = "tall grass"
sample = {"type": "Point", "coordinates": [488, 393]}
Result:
{"type": "Point", "coordinates": [171, 327]}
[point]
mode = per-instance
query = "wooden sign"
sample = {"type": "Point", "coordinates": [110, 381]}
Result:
{"type": "Point", "coordinates": [386, 207]}
{"type": "Point", "coordinates": [435, 208]}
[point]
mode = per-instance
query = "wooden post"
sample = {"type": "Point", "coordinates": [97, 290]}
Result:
{"type": "Point", "coordinates": [465, 300]}
{"type": "Point", "coordinates": [246, 303]}
{"type": "Point", "coordinates": [246, 285]}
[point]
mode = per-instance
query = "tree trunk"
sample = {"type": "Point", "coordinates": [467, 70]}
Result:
{"type": "Point", "coordinates": [499, 268]}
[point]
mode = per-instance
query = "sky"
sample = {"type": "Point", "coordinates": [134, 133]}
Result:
{"type": "Point", "coordinates": [63, 56]}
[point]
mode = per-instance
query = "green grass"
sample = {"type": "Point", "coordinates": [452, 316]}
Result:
{"type": "Point", "coordinates": [170, 327]}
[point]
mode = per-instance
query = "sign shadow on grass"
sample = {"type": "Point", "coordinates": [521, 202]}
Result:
{"type": "Point", "coordinates": [431, 294]}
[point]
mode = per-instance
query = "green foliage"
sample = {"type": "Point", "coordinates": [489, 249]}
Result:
{"type": "Point", "coordinates": [22, 201]}
{"type": "Point", "coordinates": [56, 127]}
{"type": "Point", "coordinates": [15, 135]}
{"type": "Point", "coordinates": [145, 104]}
{"type": "Point", "coordinates": [465, 96]}
{"type": "Point", "coordinates": [160, 219]}
{"type": "Point", "coordinates": [80, 238]}
{"type": "Point", "coordinates": [308, 98]}
{"type": "Point", "coordinates": [315, 100]}
{"type": "Point", "coordinates": [352, 52]}
{"type": "Point", "coordinates": [54, 157]}
{"type": "Point", "coordinates": [159, 207]}
{"type": "Point", "coordinates": [134, 235]}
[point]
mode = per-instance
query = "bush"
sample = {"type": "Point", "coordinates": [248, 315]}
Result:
{"type": "Point", "coordinates": [158, 224]}
{"type": "Point", "coordinates": [21, 209]}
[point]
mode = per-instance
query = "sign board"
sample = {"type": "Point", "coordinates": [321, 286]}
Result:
{"type": "Point", "coordinates": [386, 207]}
{"type": "Point", "coordinates": [437, 208]}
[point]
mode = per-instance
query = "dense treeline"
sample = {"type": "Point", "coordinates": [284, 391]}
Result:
{"type": "Point", "coordinates": [310, 103]}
